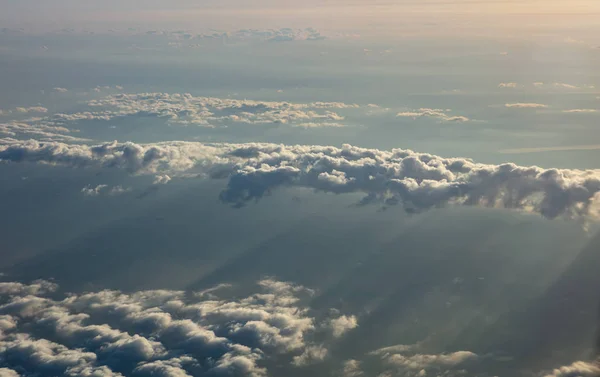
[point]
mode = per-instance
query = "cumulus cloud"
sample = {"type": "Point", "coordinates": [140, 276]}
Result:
{"type": "Point", "coordinates": [155, 333]}
{"type": "Point", "coordinates": [526, 105]}
{"type": "Point", "coordinates": [339, 326]}
{"type": "Point", "coordinates": [418, 181]}
{"type": "Point", "coordinates": [577, 369]}
{"type": "Point", "coordinates": [60, 90]}
{"type": "Point", "coordinates": [439, 114]}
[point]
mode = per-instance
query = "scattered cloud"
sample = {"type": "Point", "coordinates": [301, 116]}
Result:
{"type": "Point", "coordinates": [418, 181]}
{"type": "Point", "coordinates": [526, 105]}
{"type": "Point", "coordinates": [439, 114]}
{"type": "Point", "coordinates": [508, 85]}
{"type": "Point", "coordinates": [104, 190]}
{"type": "Point", "coordinates": [155, 333]}
{"type": "Point", "coordinates": [60, 90]}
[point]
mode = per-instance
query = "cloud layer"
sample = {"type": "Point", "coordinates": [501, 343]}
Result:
{"type": "Point", "coordinates": [418, 181]}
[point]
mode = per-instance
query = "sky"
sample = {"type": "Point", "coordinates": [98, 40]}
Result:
{"type": "Point", "coordinates": [318, 188]}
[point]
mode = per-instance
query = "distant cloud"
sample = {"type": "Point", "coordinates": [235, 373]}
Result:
{"type": "Point", "coordinates": [319, 125]}
{"type": "Point", "coordinates": [439, 114]}
{"type": "Point", "coordinates": [581, 111]}
{"type": "Point", "coordinates": [418, 181]}
{"type": "Point", "coordinates": [60, 90]}
{"type": "Point", "coordinates": [552, 149]}
{"type": "Point", "coordinates": [39, 131]}
{"type": "Point", "coordinates": [508, 85]}
{"type": "Point", "coordinates": [32, 109]}
{"type": "Point", "coordinates": [521, 105]}
{"type": "Point", "coordinates": [104, 190]}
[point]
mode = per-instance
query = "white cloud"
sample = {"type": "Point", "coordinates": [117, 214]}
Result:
{"type": "Point", "coordinates": [439, 114]}
{"type": "Point", "coordinates": [418, 181]}
{"type": "Point", "coordinates": [104, 190]}
{"type": "Point", "coordinates": [581, 111]}
{"type": "Point", "coordinates": [351, 368]}
{"type": "Point", "coordinates": [5, 372]}
{"type": "Point", "coordinates": [31, 109]}
{"type": "Point", "coordinates": [577, 369]}
{"type": "Point", "coordinates": [60, 90]}
{"type": "Point", "coordinates": [508, 85]}
{"type": "Point", "coordinates": [40, 131]}
{"type": "Point", "coordinates": [156, 333]}
{"type": "Point", "coordinates": [162, 179]}
{"type": "Point", "coordinates": [339, 326]}
{"type": "Point", "coordinates": [185, 109]}
{"type": "Point", "coordinates": [526, 105]}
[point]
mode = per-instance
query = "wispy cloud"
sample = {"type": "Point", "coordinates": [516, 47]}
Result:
{"type": "Point", "coordinates": [526, 105]}
{"type": "Point", "coordinates": [551, 149]}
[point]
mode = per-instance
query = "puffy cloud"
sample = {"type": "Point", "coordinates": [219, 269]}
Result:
{"type": "Point", "coordinates": [339, 326]}
{"type": "Point", "coordinates": [525, 105]}
{"type": "Point", "coordinates": [418, 181]}
{"type": "Point", "coordinates": [36, 287]}
{"type": "Point", "coordinates": [351, 368]}
{"type": "Point", "coordinates": [155, 333]}
{"type": "Point", "coordinates": [60, 90]}
{"type": "Point", "coordinates": [577, 369]}
{"type": "Point", "coordinates": [439, 114]}
{"type": "Point", "coordinates": [5, 372]}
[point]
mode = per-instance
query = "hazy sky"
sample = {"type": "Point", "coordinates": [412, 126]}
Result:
{"type": "Point", "coordinates": [299, 188]}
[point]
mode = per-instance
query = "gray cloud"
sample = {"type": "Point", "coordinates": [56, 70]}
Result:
{"type": "Point", "coordinates": [418, 181]}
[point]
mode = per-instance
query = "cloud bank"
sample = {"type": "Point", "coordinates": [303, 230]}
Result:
{"type": "Point", "coordinates": [417, 181]}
